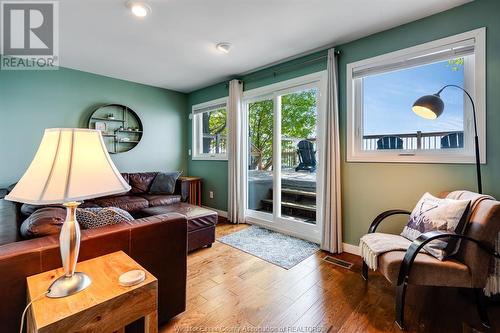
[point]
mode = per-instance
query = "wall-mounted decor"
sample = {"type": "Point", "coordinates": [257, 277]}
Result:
{"type": "Point", "coordinates": [121, 127]}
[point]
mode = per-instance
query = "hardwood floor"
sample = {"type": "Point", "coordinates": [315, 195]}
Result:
{"type": "Point", "coordinates": [232, 291]}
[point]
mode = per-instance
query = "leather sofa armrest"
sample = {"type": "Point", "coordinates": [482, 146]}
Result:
{"type": "Point", "coordinates": [159, 244]}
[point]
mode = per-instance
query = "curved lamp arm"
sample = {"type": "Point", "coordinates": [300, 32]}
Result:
{"type": "Point", "coordinates": [476, 140]}
{"type": "Point", "coordinates": [382, 216]}
{"type": "Point", "coordinates": [423, 239]}
{"type": "Point", "coordinates": [470, 98]}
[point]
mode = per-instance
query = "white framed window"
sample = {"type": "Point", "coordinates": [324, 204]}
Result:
{"type": "Point", "coordinates": [381, 126]}
{"type": "Point", "coordinates": [210, 130]}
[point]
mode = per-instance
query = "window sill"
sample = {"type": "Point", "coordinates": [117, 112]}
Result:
{"type": "Point", "coordinates": [412, 157]}
{"type": "Point", "coordinates": [209, 158]}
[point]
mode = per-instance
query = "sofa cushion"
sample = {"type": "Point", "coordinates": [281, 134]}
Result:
{"type": "Point", "coordinates": [160, 199]}
{"type": "Point", "coordinates": [426, 270]}
{"type": "Point", "coordinates": [28, 209]}
{"type": "Point", "coordinates": [130, 203]}
{"type": "Point", "coordinates": [43, 222]}
{"type": "Point", "coordinates": [141, 181]}
{"type": "Point", "coordinates": [91, 218]}
{"type": "Point", "coordinates": [125, 176]}
{"type": "Point", "coordinates": [164, 183]}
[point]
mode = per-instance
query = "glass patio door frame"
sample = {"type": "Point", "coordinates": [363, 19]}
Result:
{"type": "Point", "coordinates": [274, 220]}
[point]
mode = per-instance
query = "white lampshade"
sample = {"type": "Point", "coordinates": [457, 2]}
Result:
{"type": "Point", "coordinates": [71, 164]}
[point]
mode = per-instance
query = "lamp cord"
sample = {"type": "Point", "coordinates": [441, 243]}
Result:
{"type": "Point", "coordinates": [28, 306]}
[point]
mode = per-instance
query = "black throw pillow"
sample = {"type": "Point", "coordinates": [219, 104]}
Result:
{"type": "Point", "coordinates": [164, 183]}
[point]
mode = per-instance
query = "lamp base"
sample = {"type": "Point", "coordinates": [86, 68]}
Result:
{"type": "Point", "coordinates": [69, 285]}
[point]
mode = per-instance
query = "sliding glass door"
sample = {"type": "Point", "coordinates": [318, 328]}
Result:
{"type": "Point", "coordinates": [260, 175]}
{"type": "Point", "coordinates": [284, 168]}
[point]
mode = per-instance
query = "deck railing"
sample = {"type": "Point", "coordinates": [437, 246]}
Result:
{"type": "Point", "coordinates": [418, 140]}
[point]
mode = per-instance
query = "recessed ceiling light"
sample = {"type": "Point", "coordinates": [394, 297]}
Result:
{"type": "Point", "coordinates": [223, 47]}
{"type": "Point", "coordinates": [138, 8]}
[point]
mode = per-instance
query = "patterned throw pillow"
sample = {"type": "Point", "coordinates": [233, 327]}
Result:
{"type": "Point", "coordinates": [91, 218]}
{"type": "Point", "coordinates": [432, 214]}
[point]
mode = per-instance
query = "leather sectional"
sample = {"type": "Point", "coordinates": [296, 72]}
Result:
{"type": "Point", "coordinates": [164, 230]}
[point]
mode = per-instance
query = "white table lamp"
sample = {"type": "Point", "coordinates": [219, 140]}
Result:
{"type": "Point", "coordinates": [71, 165]}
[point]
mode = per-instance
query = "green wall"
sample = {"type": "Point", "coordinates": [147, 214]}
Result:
{"type": "Point", "coordinates": [369, 188]}
{"type": "Point", "coordinates": [31, 101]}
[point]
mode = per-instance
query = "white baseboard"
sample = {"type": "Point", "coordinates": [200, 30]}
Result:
{"type": "Point", "coordinates": [220, 212]}
{"type": "Point", "coordinates": [353, 249]}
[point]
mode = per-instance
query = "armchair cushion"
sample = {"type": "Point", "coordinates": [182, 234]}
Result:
{"type": "Point", "coordinates": [432, 214]}
{"type": "Point", "coordinates": [426, 270]}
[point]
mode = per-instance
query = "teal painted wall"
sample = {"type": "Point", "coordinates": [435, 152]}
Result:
{"type": "Point", "coordinates": [31, 101]}
{"type": "Point", "coordinates": [369, 188]}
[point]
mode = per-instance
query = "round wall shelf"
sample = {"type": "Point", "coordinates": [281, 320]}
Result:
{"type": "Point", "coordinates": [121, 127]}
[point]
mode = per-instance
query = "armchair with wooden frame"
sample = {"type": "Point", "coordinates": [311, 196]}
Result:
{"type": "Point", "coordinates": [469, 268]}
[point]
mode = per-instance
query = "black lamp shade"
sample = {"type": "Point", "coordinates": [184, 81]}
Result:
{"type": "Point", "coordinates": [429, 106]}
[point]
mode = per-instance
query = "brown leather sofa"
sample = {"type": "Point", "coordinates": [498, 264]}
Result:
{"type": "Point", "coordinates": [157, 240]}
{"type": "Point", "coordinates": [138, 197]}
{"type": "Point", "coordinates": [158, 243]}
{"type": "Point", "coordinates": [140, 203]}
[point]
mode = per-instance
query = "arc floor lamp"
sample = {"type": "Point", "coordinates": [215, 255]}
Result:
{"type": "Point", "coordinates": [432, 106]}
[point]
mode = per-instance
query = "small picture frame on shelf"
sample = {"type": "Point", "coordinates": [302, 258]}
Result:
{"type": "Point", "coordinates": [100, 126]}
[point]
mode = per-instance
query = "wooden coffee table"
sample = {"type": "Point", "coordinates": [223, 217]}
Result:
{"type": "Point", "coordinates": [105, 306]}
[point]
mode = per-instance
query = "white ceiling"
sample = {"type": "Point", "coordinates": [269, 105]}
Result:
{"type": "Point", "coordinates": [174, 46]}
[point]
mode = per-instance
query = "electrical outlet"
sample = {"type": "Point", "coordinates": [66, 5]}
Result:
{"type": "Point", "coordinates": [211, 194]}
{"type": "Point", "coordinates": [189, 152]}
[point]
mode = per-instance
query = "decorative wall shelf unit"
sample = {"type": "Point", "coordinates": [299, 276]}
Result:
{"type": "Point", "coordinates": [117, 122]}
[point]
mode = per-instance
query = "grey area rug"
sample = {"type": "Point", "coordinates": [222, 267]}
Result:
{"type": "Point", "coordinates": [282, 250]}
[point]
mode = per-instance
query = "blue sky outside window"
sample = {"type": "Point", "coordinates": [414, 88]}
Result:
{"type": "Point", "coordinates": [388, 99]}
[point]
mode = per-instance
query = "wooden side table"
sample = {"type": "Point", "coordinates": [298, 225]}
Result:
{"type": "Point", "coordinates": [105, 306]}
{"type": "Point", "coordinates": [194, 197]}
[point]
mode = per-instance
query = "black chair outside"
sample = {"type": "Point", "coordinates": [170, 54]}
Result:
{"type": "Point", "coordinates": [307, 156]}
{"type": "Point", "coordinates": [453, 140]}
{"type": "Point", "coordinates": [390, 142]}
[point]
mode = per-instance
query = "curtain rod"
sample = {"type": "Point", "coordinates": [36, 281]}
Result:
{"type": "Point", "coordinates": [286, 68]}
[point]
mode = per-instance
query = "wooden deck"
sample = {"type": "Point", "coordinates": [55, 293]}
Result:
{"type": "Point", "coordinates": [232, 291]}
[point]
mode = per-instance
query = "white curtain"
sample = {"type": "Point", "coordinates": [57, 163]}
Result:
{"type": "Point", "coordinates": [332, 219]}
{"type": "Point", "coordinates": [235, 152]}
